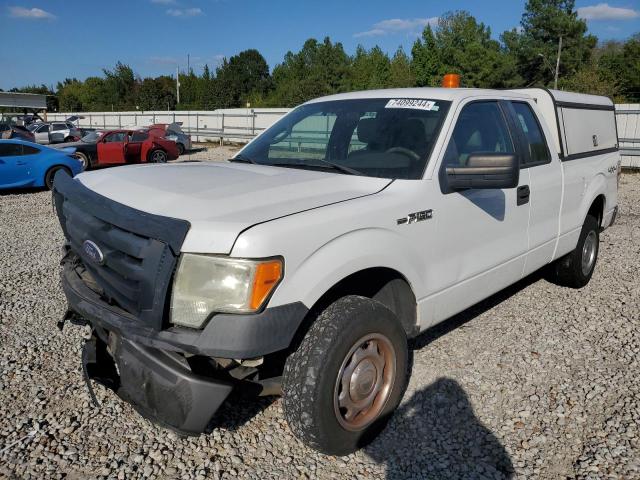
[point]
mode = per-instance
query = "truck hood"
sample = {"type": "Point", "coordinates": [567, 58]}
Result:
{"type": "Point", "coordinates": [220, 200]}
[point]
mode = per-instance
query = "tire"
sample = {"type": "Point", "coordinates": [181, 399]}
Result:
{"type": "Point", "coordinates": [158, 156]}
{"type": "Point", "coordinates": [576, 268]}
{"type": "Point", "coordinates": [51, 173]}
{"type": "Point", "coordinates": [314, 398]}
{"type": "Point", "coordinates": [83, 159]}
{"type": "Point", "coordinates": [69, 140]}
{"type": "Point", "coordinates": [181, 149]}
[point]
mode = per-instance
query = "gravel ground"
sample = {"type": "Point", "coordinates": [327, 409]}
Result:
{"type": "Point", "coordinates": [538, 381]}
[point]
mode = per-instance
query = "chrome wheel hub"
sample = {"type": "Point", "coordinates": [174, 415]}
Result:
{"type": "Point", "coordinates": [159, 157]}
{"type": "Point", "coordinates": [364, 382]}
{"type": "Point", "coordinates": [589, 252]}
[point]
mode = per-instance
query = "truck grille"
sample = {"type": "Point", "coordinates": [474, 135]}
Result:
{"type": "Point", "coordinates": [138, 250]}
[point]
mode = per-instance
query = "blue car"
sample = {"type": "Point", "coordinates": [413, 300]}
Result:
{"type": "Point", "coordinates": [26, 164]}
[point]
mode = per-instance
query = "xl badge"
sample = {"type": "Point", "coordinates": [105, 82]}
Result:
{"type": "Point", "coordinates": [93, 252]}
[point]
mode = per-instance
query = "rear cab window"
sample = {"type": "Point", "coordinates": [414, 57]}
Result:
{"type": "Point", "coordinates": [537, 151]}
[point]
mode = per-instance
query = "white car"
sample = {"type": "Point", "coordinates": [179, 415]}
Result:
{"type": "Point", "coordinates": [54, 132]}
{"type": "Point", "coordinates": [304, 264]}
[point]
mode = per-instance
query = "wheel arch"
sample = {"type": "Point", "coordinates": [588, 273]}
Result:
{"type": "Point", "coordinates": [382, 284]}
{"type": "Point", "coordinates": [595, 199]}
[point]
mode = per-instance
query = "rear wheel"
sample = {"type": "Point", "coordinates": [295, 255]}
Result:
{"type": "Point", "coordinates": [576, 268]}
{"type": "Point", "coordinates": [83, 159]}
{"type": "Point", "coordinates": [347, 376]}
{"type": "Point", "coordinates": [51, 173]}
{"type": "Point", "coordinates": [181, 149]}
{"type": "Point", "coordinates": [158, 156]}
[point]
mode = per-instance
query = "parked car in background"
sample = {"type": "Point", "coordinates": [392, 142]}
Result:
{"type": "Point", "coordinates": [55, 132]}
{"type": "Point", "coordinates": [119, 147]}
{"type": "Point", "coordinates": [8, 131]}
{"type": "Point", "coordinates": [25, 164]}
{"type": "Point", "coordinates": [173, 131]}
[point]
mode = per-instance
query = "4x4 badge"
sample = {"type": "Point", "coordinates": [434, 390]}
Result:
{"type": "Point", "coordinates": [416, 217]}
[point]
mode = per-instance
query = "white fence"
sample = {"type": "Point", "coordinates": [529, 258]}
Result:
{"type": "Point", "coordinates": [628, 120]}
{"type": "Point", "coordinates": [238, 124]}
{"type": "Point", "coordinates": [242, 124]}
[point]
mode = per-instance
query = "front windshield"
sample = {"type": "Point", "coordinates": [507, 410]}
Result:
{"type": "Point", "coordinates": [91, 137]}
{"type": "Point", "coordinates": [387, 138]}
{"type": "Point", "coordinates": [32, 127]}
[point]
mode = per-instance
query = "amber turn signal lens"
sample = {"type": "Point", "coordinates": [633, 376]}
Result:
{"type": "Point", "coordinates": [266, 278]}
{"type": "Point", "coordinates": [451, 80]}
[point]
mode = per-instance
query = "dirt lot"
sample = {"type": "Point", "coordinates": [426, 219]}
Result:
{"type": "Point", "coordinates": [537, 382]}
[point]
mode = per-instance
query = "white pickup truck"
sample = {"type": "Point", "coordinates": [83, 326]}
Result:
{"type": "Point", "coordinates": [304, 264]}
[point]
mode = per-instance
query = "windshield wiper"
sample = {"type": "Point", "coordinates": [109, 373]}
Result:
{"type": "Point", "coordinates": [341, 168]}
{"type": "Point", "coordinates": [243, 159]}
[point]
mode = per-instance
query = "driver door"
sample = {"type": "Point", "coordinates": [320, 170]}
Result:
{"type": "Point", "coordinates": [482, 239]}
{"type": "Point", "coordinates": [13, 168]}
{"type": "Point", "coordinates": [111, 149]}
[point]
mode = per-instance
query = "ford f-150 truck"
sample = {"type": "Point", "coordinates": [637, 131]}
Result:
{"type": "Point", "coordinates": [303, 265]}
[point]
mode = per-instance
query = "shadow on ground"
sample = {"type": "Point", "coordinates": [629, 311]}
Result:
{"type": "Point", "coordinates": [436, 435]}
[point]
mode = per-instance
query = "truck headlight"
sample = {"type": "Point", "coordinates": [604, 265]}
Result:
{"type": "Point", "coordinates": [205, 284]}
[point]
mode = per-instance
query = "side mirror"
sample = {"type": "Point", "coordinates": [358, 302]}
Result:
{"type": "Point", "coordinates": [485, 170]}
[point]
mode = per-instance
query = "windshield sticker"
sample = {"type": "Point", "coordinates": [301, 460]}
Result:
{"type": "Point", "coordinates": [414, 103]}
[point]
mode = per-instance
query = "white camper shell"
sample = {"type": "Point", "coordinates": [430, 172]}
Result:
{"type": "Point", "coordinates": [585, 124]}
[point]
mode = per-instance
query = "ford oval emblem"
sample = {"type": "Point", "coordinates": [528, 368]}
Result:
{"type": "Point", "coordinates": [93, 252]}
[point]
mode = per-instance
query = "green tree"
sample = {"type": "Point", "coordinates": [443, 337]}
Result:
{"type": "Point", "coordinates": [535, 48]}
{"type": "Point", "coordinates": [459, 44]}
{"type": "Point", "coordinates": [400, 74]}
{"type": "Point", "coordinates": [620, 63]}
{"type": "Point", "coordinates": [370, 69]}
{"type": "Point", "coordinates": [317, 69]}
{"type": "Point", "coordinates": [119, 87]}
{"type": "Point", "coordinates": [157, 94]}
{"type": "Point", "coordinates": [241, 77]}
{"type": "Point", "coordinates": [426, 64]}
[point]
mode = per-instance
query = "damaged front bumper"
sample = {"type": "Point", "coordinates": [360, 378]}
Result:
{"type": "Point", "coordinates": [149, 369]}
{"type": "Point", "coordinates": [159, 384]}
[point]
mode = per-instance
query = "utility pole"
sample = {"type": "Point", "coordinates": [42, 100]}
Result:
{"type": "Point", "coordinates": [555, 81]}
{"type": "Point", "coordinates": [188, 64]}
{"type": "Point", "coordinates": [177, 84]}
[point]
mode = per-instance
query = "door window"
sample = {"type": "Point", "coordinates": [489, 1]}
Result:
{"type": "Point", "coordinates": [115, 137]}
{"type": "Point", "coordinates": [58, 126]}
{"type": "Point", "coordinates": [29, 150]}
{"type": "Point", "coordinates": [10, 150]}
{"type": "Point", "coordinates": [526, 120]}
{"type": "Point", "coordinates": [481, 128]}
{"type": "Point", "coordinates": [43, 129]}
{"type": "Point", "coordinates": [139, 136]}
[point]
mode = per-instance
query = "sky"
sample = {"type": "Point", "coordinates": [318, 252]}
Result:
{"type": "Point", "coordinates": [45, 41]}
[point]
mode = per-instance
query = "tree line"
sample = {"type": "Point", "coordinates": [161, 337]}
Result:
{"type": "Point", "coordinates": [458, 43]}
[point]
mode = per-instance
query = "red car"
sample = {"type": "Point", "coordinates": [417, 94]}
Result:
{"type": "Point", "coordinates": [119, 147]}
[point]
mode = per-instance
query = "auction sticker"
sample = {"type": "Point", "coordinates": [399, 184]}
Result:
{"type": "Point", "coordinates": [414, 103]}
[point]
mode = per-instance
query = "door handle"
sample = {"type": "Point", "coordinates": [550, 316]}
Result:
{"type": "Point", "coordinates": [523, 195]}
{"type": "Point", "coordinates": [21, 162]}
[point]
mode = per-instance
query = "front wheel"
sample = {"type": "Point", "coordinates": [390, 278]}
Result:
{"type": "Point", "coordinates": [576, 268]}
{"type": "Point", "coordinates": [158, 156]}
{"type": "Point", "coordinates": [347, 376]}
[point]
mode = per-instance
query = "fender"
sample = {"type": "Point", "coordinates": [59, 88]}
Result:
{"type": "Point", "coordinates": [597, 186]}
{"type": "Point", "coordinates": [344, 255]}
